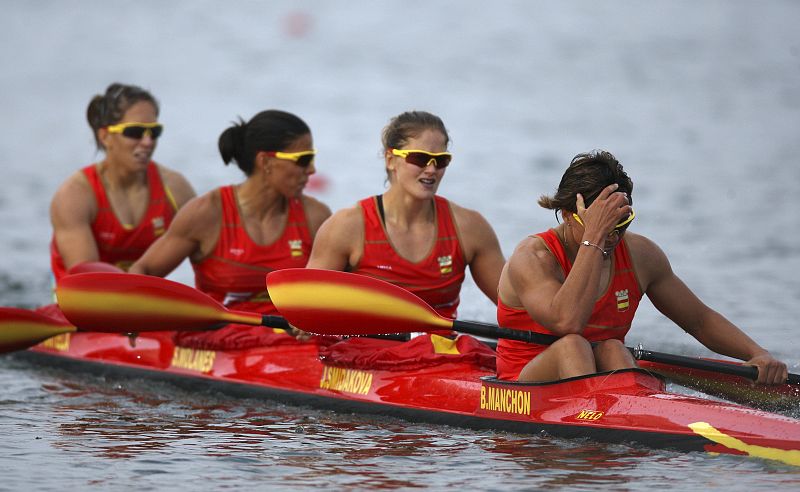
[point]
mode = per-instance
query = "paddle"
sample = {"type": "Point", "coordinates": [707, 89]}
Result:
{"type": "Point", "coordinates": [122, 303]}
{"type": "Point", "coordinates": [20, 328]}
{"type": "Point", "coordinates": [126, 302]}
{"type": "Point", "coordinates": [354, 304]}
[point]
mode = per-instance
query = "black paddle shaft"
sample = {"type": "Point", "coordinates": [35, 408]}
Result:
{"type": "Point", "coordinates": [493, 331]}
{"type": "Point", "coordinates": [487, 330]}
{"type": "Point", "coordinates": [705, 365]}
{"type": "Point", "coordinates": [274, 321]}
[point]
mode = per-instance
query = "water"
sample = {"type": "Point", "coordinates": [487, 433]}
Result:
{"type": "Point", "coordinates": [700, 102]}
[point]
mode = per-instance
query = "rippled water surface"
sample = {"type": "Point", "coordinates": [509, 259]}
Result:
{"type": "Point", "coordinates": [89, 431]}
{"type": "Point", "coordinates": [699, 100]}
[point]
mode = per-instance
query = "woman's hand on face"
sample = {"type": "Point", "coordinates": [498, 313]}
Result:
{"type": "Point", "coordinates": [606, 211]}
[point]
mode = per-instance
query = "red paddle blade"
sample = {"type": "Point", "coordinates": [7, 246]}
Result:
{"type": "Point", "coordinates": [337, 303]}
{"type": "Point", "coordinates": [20, 328]}
{"type": "Point", "coordinates": [126, 302]}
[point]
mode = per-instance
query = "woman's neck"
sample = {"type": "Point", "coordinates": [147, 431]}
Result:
{"type": "Point", "coordinates": [404, 210]}
{"type": "Point", "coordinates": [257, 200]}
{"type": "Point", "coordinates": [117, 177]}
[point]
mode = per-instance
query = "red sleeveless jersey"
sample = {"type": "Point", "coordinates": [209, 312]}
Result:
{"type": "Point", "coordinates": [611, 317]}
{"type": "Point", "coordinates": [117, 243]}
{"type": "Point", "coordinates": [436, 279]}
{"type": "Point", "coordinates": [236, 271]}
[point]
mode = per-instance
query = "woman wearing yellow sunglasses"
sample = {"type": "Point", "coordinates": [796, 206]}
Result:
{"type": "Point", "coordinates": [113, 210]}
{"type": "Point", "coordinates": [409, 235]}
{"type": "Point", "coordinates": [582, 281]}
{"type": "Point", "coordinates": [236, 234]}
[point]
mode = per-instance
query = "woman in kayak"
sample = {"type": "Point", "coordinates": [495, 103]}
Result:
{"type": "Point", "coordinates": [409, 235]}
{"type": "Point", "coordinates": [236, 234]}
{"type": "Point", "coordinates": [582, 281]}
{"type": "Point", "coordinates": [113, 210]}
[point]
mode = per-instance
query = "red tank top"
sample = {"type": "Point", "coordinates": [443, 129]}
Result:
{"type": "Point", "coordinates": [235, 273]}
{"type": "Point", "coordinates": [117, 243]}
{"type": "Point", "coordinates": [611, 317]}
{"type": "Point", "coordinates": [436, 279]}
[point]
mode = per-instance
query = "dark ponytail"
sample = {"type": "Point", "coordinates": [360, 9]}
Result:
{"type": "Point", "coordinates": [270, 130]}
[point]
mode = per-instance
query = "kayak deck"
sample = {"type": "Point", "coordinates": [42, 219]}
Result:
{"type": "Point", "coordinates": [625, 406]}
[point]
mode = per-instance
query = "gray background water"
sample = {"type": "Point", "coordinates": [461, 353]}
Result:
{"type": "Point", "coordinates": [699, 101]}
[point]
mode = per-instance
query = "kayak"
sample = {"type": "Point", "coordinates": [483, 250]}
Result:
{"type": "Point", "coordinates": [627, 406]}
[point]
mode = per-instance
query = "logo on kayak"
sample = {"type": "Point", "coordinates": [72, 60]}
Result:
{"type": "Point", "coordinates": [445, 264]}
{"type": "Point", "coordinates": [296, 247]}
{"type": "Point", "coordinates": [623, 302]}
{"type": "Point", "coordinates": [505, 400]}
{"type": "Point", "coordinates": [345, 380]}
{"type": "Point", "coordinates": [158, 225]}
{"type": "Point", "coordinates": [58, 342]}
{"type": "Point", "coordinates": [589, 415]}
{"type": "Point", "coordinates": [194, 360]}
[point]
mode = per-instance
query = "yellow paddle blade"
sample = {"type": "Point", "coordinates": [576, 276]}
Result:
{"type": "Point", "coordinates": [20, 328]}
{"type": "Point", "coordinates": [126, 302]}
{"type": "Point", "coordinates": [337, 303]}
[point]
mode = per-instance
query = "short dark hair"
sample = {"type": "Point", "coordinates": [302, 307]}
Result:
{"type": "Point", "coordinates": [588, 174]}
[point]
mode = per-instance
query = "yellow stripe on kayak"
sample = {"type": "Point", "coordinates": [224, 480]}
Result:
{"type": "Point", "coordinates": [790, 457]}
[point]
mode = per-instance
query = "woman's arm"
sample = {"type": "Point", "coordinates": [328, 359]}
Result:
{"type": "Point", "coordinates": [339, 241]}
{"type": "Point", "coordinates": [191, 235]}
{"type": "Point", "coordinates": [533, 279]}
{"type": "Point", "coordinates": [677, 302]}
{"type": "Point", "coordinates": [482, 250]}
{"type": "Point", "coordinates": [316, 213]}
{"type": "Point", "coordinates": [178, 186]}
{"type": "Point", "coordinates": [72, 211]}
{"type": "Point", "coordinates": [564, 305]}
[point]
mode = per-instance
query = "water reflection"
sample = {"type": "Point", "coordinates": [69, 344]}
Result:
{"type": "Point", "coordinates": [165, 434]}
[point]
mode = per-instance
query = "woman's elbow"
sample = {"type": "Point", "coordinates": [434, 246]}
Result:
{"type": "Point", "coordinates": [566, 327]}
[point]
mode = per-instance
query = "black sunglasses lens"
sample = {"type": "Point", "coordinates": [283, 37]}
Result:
{"type": "Point", "coordinates": [443, 161]}
{"type": "Point", "coordinates": [137, 132]}
{"type": "Point", "coordinates": [305, 160]}
{"type": "Point", "coordinates": [417, 159]}
{"type": "Point", "coordinates": [422, 160]}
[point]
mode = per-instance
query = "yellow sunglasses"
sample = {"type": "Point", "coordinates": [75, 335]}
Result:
{"type": "Point", "coordinates": [617, 228]}
{"type": "Point", "coordinates": [422, 158]}
{"type": "Point", "coordinates": [137, 130]}
{"type": "Point", "coordinates": [302, 159]}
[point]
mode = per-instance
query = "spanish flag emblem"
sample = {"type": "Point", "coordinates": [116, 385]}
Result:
{"type": "Point", "coordinates": [623, 302]}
